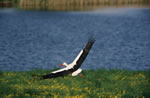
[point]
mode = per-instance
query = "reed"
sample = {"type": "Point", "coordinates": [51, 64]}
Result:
{"type": "Point", "coordinates": [78, 4]}
{"type": "Point", "coordinates": [72, 4]}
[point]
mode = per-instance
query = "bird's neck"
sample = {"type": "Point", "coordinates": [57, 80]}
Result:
{"type": "Point", "coordinates": [65, 64]}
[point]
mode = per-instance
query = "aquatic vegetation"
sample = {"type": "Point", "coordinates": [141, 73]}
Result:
{"type": "Point", "coordinates": [94, 83]}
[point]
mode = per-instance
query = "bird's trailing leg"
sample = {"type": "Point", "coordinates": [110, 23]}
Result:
{"type": "Point", "coordinates": [81, 75]}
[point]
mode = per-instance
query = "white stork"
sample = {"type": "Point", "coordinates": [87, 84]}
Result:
{"type": "Point", "coordinates": [74, 67]}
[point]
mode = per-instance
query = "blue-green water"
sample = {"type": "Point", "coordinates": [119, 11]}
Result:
{"type": "Point", "coordinates": [45, 39]}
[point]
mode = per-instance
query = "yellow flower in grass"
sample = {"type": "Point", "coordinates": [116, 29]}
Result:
{"type": "Point", "coordinates": [123, 78]}
{"type": "Point", "coordinates": [133, 83]}
{"type": "Point", "coordinates": [141, 75]}
{"type": "Point", "coordinates": [1, 79]}
{"type": "Point", "coordinates": [5, 81]}
{"type": "Point", "coordinates": [43, 96]}
{"type": "Point", "coordinates": [18, 86]}
{"type": "Point", "coordinates": [52, 86]}
{"type": "Point", "coordinates": [45, 93]}
{"type": "Point", "coordinates": [102, 88]}
{"type": "Point", "coordinates": [63, 87]}
{"type": "Point", "coordinates": [123, 92]}
{"type": "Point", "coordinates": [29, 82]}
{"type": "Point", "coordinates": [88, 90]}
{"type": "Point", "coordinates": [76, 89]}
{"type": "Point", "coordinates": [11, 74]}
{"type": "Point", "coordinates": [119, 95]}
{"type": "Point", "coordinates": [10, 95]}
{"type": "Point", "coordinates": [27, 94]}
{"type": "Point", "coordinates": [82, 96]}
{"type": "Point", "coordinates": [77, 96]}
{"type": "Point", "coordinates": [116, 97]}
{"type": "Point", "coordinates": [43, 87]}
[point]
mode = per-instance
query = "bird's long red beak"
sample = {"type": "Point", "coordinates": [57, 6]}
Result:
{"type": "Point", "coordinates": [61, 65]}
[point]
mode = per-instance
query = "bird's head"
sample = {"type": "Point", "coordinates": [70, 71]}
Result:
{"type": "Point", "coordinates": [64, 64]}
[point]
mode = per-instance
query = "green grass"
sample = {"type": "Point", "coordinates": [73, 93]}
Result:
{"type": "Point", "coordinates": [95, 83]}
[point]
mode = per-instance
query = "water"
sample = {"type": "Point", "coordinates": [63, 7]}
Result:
{"type": "Point", "coordinates": [45, 39]}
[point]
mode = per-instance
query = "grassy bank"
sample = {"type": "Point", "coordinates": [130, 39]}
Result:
{"type": "Point", "coordinates": [94, 83]}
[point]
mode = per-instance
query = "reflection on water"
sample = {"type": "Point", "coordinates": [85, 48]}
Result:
{"type": "Point", "coordinates": [79, 4]}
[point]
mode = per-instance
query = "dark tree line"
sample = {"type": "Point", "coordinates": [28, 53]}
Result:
{"type": "Point", "coordinates": [13, 1]}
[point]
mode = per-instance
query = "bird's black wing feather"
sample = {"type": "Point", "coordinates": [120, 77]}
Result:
{"type": "Point", "coordinates": [84, 54]}
{"type": "Point", "coordinates": [58, 74]}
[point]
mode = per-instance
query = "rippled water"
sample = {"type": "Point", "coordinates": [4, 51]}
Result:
{"type": "Point", "coordinates": [45, 39]}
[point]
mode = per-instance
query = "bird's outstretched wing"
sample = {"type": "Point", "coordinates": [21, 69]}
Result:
{"type": "Point", "coordinates": [57, 74]}
{"type": "Point", "coordinates": [83, 54]}
{"type": "Point", "coordinates": [63, 69]}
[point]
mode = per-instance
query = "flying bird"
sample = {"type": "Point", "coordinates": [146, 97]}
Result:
{"type": "Point", "coordinates": [74, 67]}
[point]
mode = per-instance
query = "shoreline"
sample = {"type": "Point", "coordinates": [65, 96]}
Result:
{"type": "Point", "coordinates": [103, 69]}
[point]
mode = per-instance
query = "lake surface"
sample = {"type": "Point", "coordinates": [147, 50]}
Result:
{"type": "Point", "coordinates": [45, 39]}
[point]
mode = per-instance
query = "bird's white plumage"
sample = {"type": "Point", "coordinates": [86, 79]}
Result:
{"type": "Point", "coordinates": [60, 70]}
{"type": "Point", "coordinates": [76, 72]}
{"type": "Point", "coordinates": [76, 59]}
{"type": "Point", "coordinates": [69, 66]}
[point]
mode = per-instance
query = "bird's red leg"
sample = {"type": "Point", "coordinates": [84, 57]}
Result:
{"type": "Point", "coordinates": [81, 75]}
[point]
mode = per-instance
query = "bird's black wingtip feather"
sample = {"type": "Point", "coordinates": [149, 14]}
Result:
{"type": "Point", "coordinates": [91, 39]}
